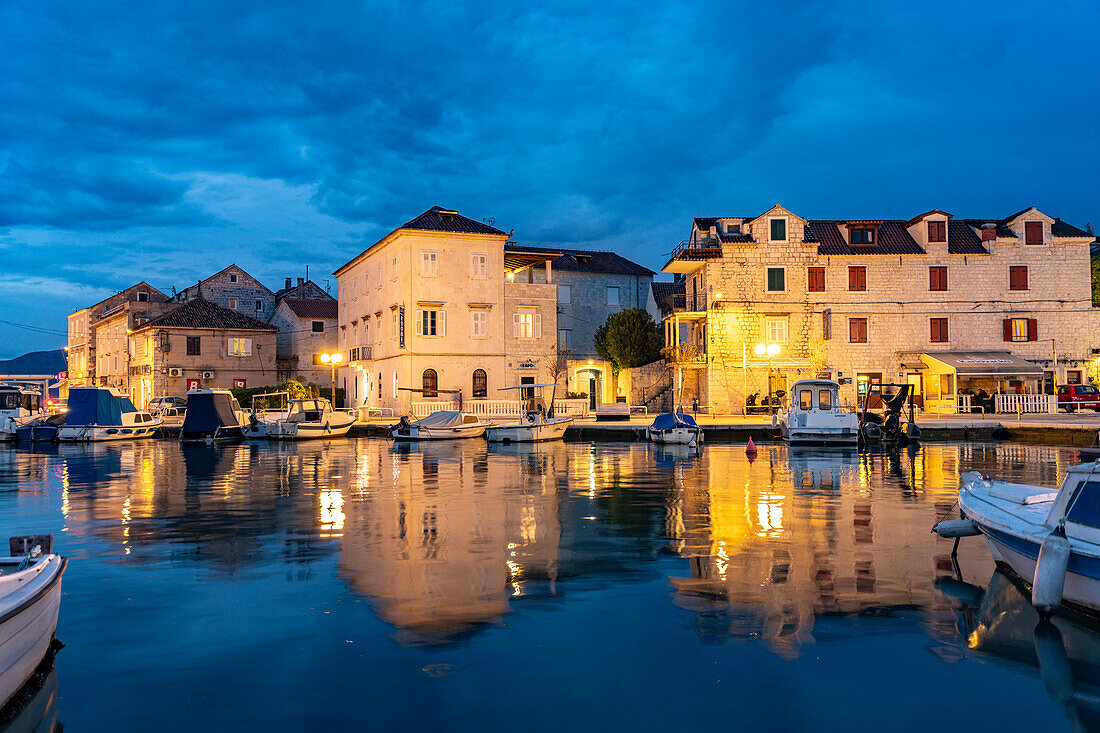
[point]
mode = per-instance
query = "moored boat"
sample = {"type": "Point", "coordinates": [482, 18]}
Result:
{"type": "Point", "coordinates": [19, 405]}
{"type": "Point", "coordinates": [674, 428]}
{"type": "Point", "coordinates": [309, 418]}
{"type": "Point", "coordinates": [535, 425]}
{"type": "Point", "coordinates": [212, 415]}
{"type": "Point", "coordinates": [30, 598]}
{"type": "Point", "coordinates": [441, 425]}
{"type": "Point", "coordinates": [171, 419]}
{"type": "Point", "coordinates": [815, 416]}
{"type": "Point", "coordinates": [42, 429]}
{"type": "Point", "coordinates": [102, 414]}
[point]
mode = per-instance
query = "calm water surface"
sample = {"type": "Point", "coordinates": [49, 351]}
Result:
{"type": "Point", "coordinates": [358, 585]}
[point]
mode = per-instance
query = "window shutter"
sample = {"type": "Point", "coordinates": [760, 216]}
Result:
{"type": "Point", "coordinates": [229, 346]}
{"type": "Point", "coordinates": [516, 325]}
{"type": "Point", "coordinates": [248, 347]}
{"type": "Point", "coordinates": [419, 321]}
{"type": "Point", "coordinates": [442, 330]}
{"type": "Point", "coordinates": [538, 325]}
{"type": "Point", "coordinates": [1007, 327]}
{"type": "Point", "coordinates": [1032, 329]}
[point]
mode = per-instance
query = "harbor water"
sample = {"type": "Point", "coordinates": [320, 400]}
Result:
{"type": "Point", "coordinates": [361, 585]}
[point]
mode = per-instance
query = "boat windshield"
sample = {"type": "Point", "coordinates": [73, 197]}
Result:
{"type": "Point", "coordinates": [1085, 506]}
{"type": "Point", "coordinates": [9, 400]}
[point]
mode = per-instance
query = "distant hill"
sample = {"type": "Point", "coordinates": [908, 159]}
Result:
{"type": "Point", "coordinates": [36, 362]}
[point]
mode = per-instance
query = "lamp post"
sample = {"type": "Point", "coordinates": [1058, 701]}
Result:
{"type": "Point", "coordinates": [332, 360]}
{"type": "Point", "coordinates": [768, 351]}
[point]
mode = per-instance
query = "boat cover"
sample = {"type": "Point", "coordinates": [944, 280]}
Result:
{"type": "Point", "coordinates": [670, 420]}
{"type": "Point", "coordinates": [441, 419]}
{"type": "Point", "coordinates": [89, 406]}
{"type": "Point", "coordinates": [206, 412]}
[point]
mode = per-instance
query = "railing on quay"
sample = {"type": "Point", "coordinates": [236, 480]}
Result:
{"type": "Point", "coordinates": [498, 408]}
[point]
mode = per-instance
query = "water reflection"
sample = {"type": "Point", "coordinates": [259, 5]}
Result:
{"type": "Point", "coordinates": [34, 709]}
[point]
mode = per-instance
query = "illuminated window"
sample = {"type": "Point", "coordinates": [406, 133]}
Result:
{"type": "Point", "coordinates": [776, 330]}
{"type": "Point", "coordinates": [480, 383]}
{"type": "Point", "coordinates": [431, 383]}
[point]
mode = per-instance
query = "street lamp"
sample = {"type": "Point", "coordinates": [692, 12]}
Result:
{"type": "Point", "coordinates": [332, 360]}
{"type": "Point", "coordinates": [768, 351]}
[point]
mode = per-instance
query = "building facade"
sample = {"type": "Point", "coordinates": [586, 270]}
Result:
{"type": "Point", "coordinates": [140, 301]}
{"type": "Point", "coordinates": [939, 302]}
{"type": "Point", "coordinates": [307, 329]}
{"type": "Point", "coordinates": [234, 289]}
{"type": "Point", "coordinates": [439, 308]}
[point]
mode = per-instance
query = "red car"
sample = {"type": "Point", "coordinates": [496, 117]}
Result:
{"type": "Point", "coordinates": [1078, 396]}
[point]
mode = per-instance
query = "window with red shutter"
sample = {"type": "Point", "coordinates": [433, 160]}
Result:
{"type": "Point", "coordinates": [937, 278]}
{"type": "Point", "coordinates": [1032, 329]}
{"type": "Point", "coordinates": [1033, 232]}
{"type": "Point", "coordinates": [1007, 325]}
{"type": "Point", "coordinates": [939, 330]}
{"type": "Point", "coordinates": [857, 277]}
{"type": "Point", "coordinates": [1017, 277]}
{"type": "Point", "coordinates": [857, 330]}
{"type": "Point", "coordinates": [817, 279]}
{"type": "Point", "coordinates": [937, 231]}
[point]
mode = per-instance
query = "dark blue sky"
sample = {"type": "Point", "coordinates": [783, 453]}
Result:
{"type": "Point", "coordinates": [162, 141]}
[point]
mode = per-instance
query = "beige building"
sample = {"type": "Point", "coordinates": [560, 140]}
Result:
{"type": "Point", "coordinates": [936, 301]}
{"type": "Point", "coordinates": [132, 305]}
{"type": "Point", "coordinates": [439, 308]}
{"type": "Point", "coordinates": [307, 329]}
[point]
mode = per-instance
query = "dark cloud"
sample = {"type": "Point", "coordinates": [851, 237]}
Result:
{"type": "Point", "coordinates": [163, 140]}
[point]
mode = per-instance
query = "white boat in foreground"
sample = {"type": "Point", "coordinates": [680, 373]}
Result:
{"type": "Point", "coordinates": [534, 426]}
{"type": "Point", "coordinates": [441, 425]}
{"type": "Point", "coordinates": [815, 416]}
{"type": "Point", "coordinates": [30, 597]}
{"type": "Point", "coordinates": [675, 428]}
{"type": "Point", "coordinates": [1049, 537]}
{"type": "Point", "coordinates": [308, 418]}
{"type": "Point", "coordinates": [18, 406]}
{"type": "Point", "coordinates": [104, 413]}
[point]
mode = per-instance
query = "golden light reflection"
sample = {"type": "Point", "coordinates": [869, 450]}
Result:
{"type": "Point", "coordinates": [331, 513]}
{"type": "Point", "coordinates": [769, 515]}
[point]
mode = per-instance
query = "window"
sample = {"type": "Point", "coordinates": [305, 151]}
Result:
{"type": "Point", "coordinates": [396, 324]}
{"type": "Point", "coordinates": [825, 399]}
{"type": "Point", "coordinates": [565, 294]}
{"type": "Point", "coordinates": [481, 383]}
{"type": "Point", "coordinates": [778, 230]}
{"type": "Point", "coordinates": [939, 330]}
{"type": "Point", "coordinates": [857, 330]}
{"type": "Point", "coordinates": [776, 330]}
{"type": "Point", "coordinates": [613, 295]}
{"type": "Point", "coordinates": [857, 277]}
{"type": "Point", "coordinates": [1033, 232]}
{"type": "Point", "coordinates": [232, 277]}
{"type": "Point", "coordinates": [193, 346]}
{"type": "Point", "coordinates": [937, 231]}
{"type": "Point", "coordinates": [1021, 329]}
{"type": "Point", "coordinates": [527, 325]}
{"type": "Point", "coordinates": [479, 265]}
{"type": "Point", "coordinates": [240, 347]}
{"type": "Point", "coordinates": [777, 279]}
{"type": "Point", "coordinates": [565, 337]}
{"type": "Point", "coordinates": [143, 297]}
{"type": "Point", "coordinates": [396, 385]}
{"type": "Point", "coordinates": [1017, 277]}
{"type": "Point", "coordinates": [259, 305]}
{"type": "Point", "coordinates": [379, 385]}
{"type": "Point", "coordinates": [233, 303]}
{"type": "Point", "coordinates": [817, 279]}
{"type": "Point", "coordinates": [430, 383]}
{"type": "Point", "coordinates": [393, 269]}
{"type": "Point", "coordinates": [1073, 377]}
{"type": "Point", "coordinates": [862, 236]}
{"type": "Point", "coordinates": [318, 326]}
{"type": "Point", "coordinates": [429, 264]}
{"type": "Point", "coordinates": [937, 278]}
{"type": "Point", "coordinates": [479, 323]}
{"type": "Point", "coordinates": [431, 322]}
{"type": "Point", "coordinates": [805, 399]}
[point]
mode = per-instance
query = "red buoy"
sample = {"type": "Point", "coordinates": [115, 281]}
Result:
{"type": "Point", "coordinates": [750, 449]}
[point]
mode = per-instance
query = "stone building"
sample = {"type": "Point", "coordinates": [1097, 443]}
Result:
{"type": "Point", "coordinates": [137, 302]}
{"type": "Point", "coordinates": [439, 307]}
{"type": "Point", "coordinates": [307, 329]}
{"type": "Point", "coordinates": [235, 289]}
{"type": "Point", "coordinates": [940, 302]}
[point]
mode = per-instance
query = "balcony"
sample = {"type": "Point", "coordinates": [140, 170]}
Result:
{"type": "Point", "coordinates": [361, 353]}
{"type": "Point", "coordinates": [690, 255]}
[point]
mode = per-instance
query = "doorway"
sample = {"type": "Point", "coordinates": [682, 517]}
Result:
{"type": "Point", "coordinates": [870, 384]}
{"type": "Point", "coordinates": [916, 383]}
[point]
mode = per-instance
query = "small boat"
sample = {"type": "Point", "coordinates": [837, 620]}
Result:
{"type": "Point", "coordinates": [171, 419]}
{"type": "Point", "coordinates": [674, 428]}
{"type": "Point", "coordinates": [40, 429]}
{"type": "Point", "coordinates": [213, 415]}
{"type": "Point", "coordinates": [267, 409]}
{"type": "Point", "coordinates": [815, 416]}
{"type": "Point", "coordinates": [535, 425]}
{"type": "Point", "coordinates": [441, 425]}
{"type": "Point", "coordinates": [890, 427]}
{"type": "Point", "coordinates": [312, 417]}
{"type": "Point", "coordinates": [30, 598]}
{"type": "Point", "coordinates": [19, 405]}
{"type": "Point", "coordinates": [104, 413]}
{"type": "Point", "coordinates": [1049, 537]}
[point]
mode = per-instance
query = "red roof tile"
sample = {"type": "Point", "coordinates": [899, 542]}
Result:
{"type": "Point", "coordinates": [312, 308]}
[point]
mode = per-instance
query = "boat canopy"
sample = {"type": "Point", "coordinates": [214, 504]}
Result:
{"type": "Point", "coordinates": [208, 411]}
{"type": "Point", "coordinates": [442, 419]}
{"type": "Point", "coordinates": [670, 420]}
{"type": "Point", "coordinates": [94, 406]}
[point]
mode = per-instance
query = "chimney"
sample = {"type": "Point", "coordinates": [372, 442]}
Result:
{"type": "Point", "coordinates": [301, 287]}
{"type": "Point", "coordinates": [287, 286]}
{"type": "Point", "coordinates": [989, 232]}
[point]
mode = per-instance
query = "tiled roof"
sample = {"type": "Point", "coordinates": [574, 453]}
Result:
{"type": "Point", "coordinates": [199, 313]}
{"type": "Point", "coordinates": [438, 219]}
{"type": "Point", "coordinates": [313, 308]}
{"type": "Point", "coordinates": [961, 240]}
{"type": "Point", "coordinates": [1002, 230]}
{"type": "Point", "coordinates": [586, 260]}
{"type": "Point", "coordinates": [892, 239]}
{"type": "Point", "coordinates": [735, 238]}
{"type": "Point", "coordinates": [1061, 229]}
{"type": "Point", "coordinates": [310, 286]}
{"type": "Point", "coordinates": [666, 294]}
{"type": "Point", "coordinates": [1094, 248]}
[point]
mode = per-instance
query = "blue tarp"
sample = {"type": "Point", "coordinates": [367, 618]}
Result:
{"type": "Point", "coordinates": [669, 420]}
{"type": "Point", "coordinates": [91, 406]}
{"type": "Point", "coordinates": [206, 413]}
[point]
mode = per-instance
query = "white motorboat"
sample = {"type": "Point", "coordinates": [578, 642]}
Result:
{"type": "Point", "coordinates": [104, 413]}
{"type": "Point", "coordinates": [441, 425]}
{"type": "Point", "coordinates": [535, 425]}
{"type": "Point", "coordinates": [171, 419]}
{"type": "Point", "coordinates": [308, 418]}
{"type": "Point", "coordinates": [675, 428]}
{"type": "Point", "coordinates": [815, 416]}
{"type": "Point", "coordinates": [213, 415]}
{"type": "Point", "coordinates": [267, 409]}
{"type": "Point", "coordinates": [1049, 537]}
{"type": "Point", "coordinates": [30, 598]}
{"type": "Point", "coordinates": [19, 405]}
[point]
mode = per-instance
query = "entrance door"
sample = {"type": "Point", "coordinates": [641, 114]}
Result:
{"type": "Point", "coordinates": [917, 389]}
{"type": "Point", "coordinates": [869, 383]}
{"type": "Point", "coordinates": [527, 394]}
{"type": "Point", "coordinates": [1048, 382]}
{"type": "Point", "coordinates": [593, 383]}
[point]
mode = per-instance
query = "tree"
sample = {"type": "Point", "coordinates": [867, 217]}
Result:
{"type": "Point", "coordinates": [1096, 279]}
{"type": "Point", "coordinates": [629, 338]}
{"type": "Point", "coordinates": [557, 366]}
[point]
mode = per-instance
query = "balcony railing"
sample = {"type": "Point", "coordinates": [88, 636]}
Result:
{"type": "Point", "coordinates": [360, 353]}
{"type": "Point", "coordinates": [498, 408]}
{"type": "Point", "coordinates": [697, 249]}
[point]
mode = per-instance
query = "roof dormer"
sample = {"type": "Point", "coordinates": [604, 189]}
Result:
{"type": "Point", "coordinates": [1030, 226]}
{"type": "Point", "coordinates": [929, 228]}
{"type": "Point", "coordinates": [861, 232]}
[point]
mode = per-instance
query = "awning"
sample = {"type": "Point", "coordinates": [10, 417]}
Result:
{"type": "Point", "coordinates": [985, 363]}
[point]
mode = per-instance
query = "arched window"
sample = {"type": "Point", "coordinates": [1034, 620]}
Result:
{"type": "Point", "coordinates": [481, 383]}
{"type": "Point", "coordinates": [431, 383]}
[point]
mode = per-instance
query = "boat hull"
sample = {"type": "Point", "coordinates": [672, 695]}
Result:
{"type": "Point", "coordinates": [803, 436]}
{"type": "Point", "coordinates": [1082, 584]}
{"type": "Point", "coordinates": [520, 433]}
{"type": "Point", "coordinates": [415, 433]}
{"type": "Point", "coordinates": [27, 628]}
{"type": "Point", "coordinates": [308, 430]}
{"type": "Point", "coordinates": [231, 434]}
{"type": "Point", "coordinates": [675, 436]}
{"type": "Point", "coordinates": [105, 433]}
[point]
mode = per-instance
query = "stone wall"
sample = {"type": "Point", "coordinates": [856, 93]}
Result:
{"type": "Point", "coordinates": [247, 295]}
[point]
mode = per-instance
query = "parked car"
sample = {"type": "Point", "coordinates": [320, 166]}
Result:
{"type": "Point", "coordinates": [1078, 396]}
{"type": "Point", "coordinates": [159, 403]}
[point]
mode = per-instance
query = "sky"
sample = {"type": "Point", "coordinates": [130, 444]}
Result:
{"type": "Point", "coordinates": [163, 141]}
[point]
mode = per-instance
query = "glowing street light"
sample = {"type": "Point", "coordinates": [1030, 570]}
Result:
{"type": "Point", "coordinates": [332, 360]}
